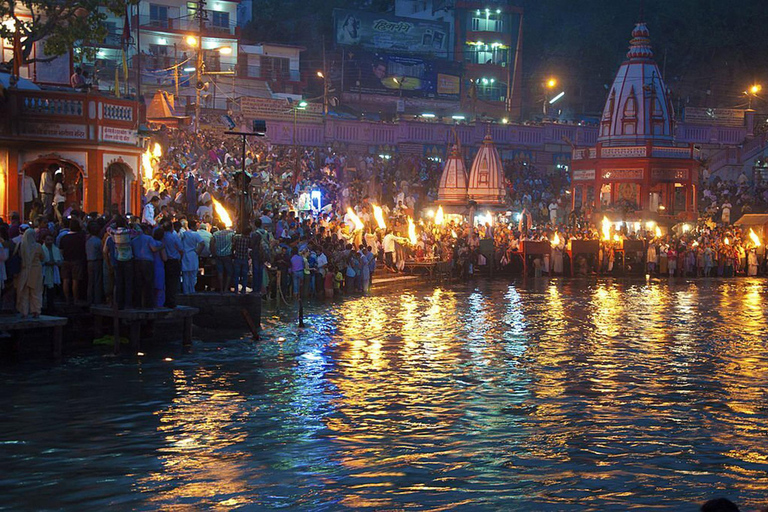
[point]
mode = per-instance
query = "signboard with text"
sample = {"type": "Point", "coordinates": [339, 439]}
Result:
{"type": "Point", "coordinates": [718, 116]}
{"type": "Point", "coordinates": [121, 135]}
{"type": "Point", "coordinates": [54, 130]}
{"type": "Point", "coordinates": [408, 76]}
{"type": "Point", "coordinates": [381, 31]}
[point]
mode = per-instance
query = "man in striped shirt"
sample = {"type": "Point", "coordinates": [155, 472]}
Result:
{"type": "Point", "coordinates": [221, 250]}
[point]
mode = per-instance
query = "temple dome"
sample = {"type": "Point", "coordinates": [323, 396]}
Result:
{"type": "Point", "coordinates": [453, 182]}
{"type": "Point", "coordinates": [638, 108]}
{"type": "Point", "coordinates": [486, 179]}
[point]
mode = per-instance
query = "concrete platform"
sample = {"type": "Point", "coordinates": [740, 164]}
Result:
{"type": "Point", "coordinates": [222, 311]}
{"type": "Point", "coordinates": [57, 323]}
{"type": "Point", "coordinates": [135, 317]}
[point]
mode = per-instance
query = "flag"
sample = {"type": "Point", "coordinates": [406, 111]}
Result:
{"type": "Point", "coordinates": [126, 28]}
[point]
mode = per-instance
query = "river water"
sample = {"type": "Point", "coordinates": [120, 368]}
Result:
{"type": "Point", "coordinates": [545, 395]}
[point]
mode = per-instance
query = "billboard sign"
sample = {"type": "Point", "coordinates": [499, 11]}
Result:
{"type": "Point", "coordinates": [719, 116]}
{"type": "Point", "coordinates": [386, 32]}
{"type": "Point", "coordinates": [390, 74]}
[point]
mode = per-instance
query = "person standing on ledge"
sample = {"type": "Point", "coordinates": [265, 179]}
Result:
{"type": "Point", "coordinates": [29, 283]}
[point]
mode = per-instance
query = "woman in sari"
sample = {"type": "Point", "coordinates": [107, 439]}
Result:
{"type": "Point", "coordinates": [29, 283]}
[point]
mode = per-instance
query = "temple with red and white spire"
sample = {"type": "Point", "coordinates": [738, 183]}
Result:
{"type": "Point", "coordinates": [636, 166]}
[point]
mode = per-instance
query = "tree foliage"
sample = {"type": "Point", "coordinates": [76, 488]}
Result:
{"type": "Point", "coordinates": [63, 25]}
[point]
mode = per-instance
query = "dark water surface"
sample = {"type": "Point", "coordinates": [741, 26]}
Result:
{"type": "Point", "coordinates": [553, 395]}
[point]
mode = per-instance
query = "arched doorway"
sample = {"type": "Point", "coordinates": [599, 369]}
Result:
{"type": "Point", "coordinates": [73, 178]}
{"type": "Point", "coordinates": [116, 182]}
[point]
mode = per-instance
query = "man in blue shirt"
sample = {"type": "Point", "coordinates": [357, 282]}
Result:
{"type": "Point", "coordinates": [144, 247]}
{"type": "Point", "coordinates": [173, 252]}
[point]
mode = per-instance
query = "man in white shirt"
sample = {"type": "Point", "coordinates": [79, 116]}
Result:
{"type": "Point", "coordinates": [46, 188]}
{"type": "Point", "coordinates": [389, 250]}
{"type": "Point", "coordinates": [148, 215]}
{"type": "Point", "coordinates": [204, 209]}
{"type": "Point", "coordinates": [553, 212]}
{"type": "Point", "coordinates": [29, 194]}
{"type": "Point", "coordinates": [726, 217]}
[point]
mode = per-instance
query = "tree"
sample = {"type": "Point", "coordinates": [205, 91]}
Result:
{"type": "Point", "coordinates": [63, 25]}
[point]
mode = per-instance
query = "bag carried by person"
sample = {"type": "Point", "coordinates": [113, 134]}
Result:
{"type": "Point", "coordinates": [122, 239]}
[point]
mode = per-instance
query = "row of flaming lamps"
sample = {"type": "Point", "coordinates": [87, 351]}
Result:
{"type": "Point", "coordinates": [156, 152]}
{"type": "Point", "coordinates": [378, 215]}
{"type": "Point", "coordinates": [606, 231]}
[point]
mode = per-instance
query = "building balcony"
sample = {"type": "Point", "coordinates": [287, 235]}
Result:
{"type": "Point", "coordinates": [186, 26]}
{"type": "Point", "coordinates": [41, 115]}
{"type": "Point", "coordinates": [263, 73]}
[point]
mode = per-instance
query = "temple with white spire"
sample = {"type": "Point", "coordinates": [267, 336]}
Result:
{"type": "Point", "coordinates": [636, 168]}
{"type": "Point", "coordinates": [452, 189]}
{"type": "Point", "coordinates": [486, 178]}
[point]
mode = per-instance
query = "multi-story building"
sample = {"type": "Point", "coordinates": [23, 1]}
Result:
{"type": "Point", "coordinates": [488, 37]}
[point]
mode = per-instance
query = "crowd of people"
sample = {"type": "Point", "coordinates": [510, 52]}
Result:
{"type": "Point", "coordinates": [315, 232]}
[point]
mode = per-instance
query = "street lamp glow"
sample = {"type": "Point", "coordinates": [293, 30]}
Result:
{"type": "Point", "coordinates": [189, 70]}
{"type": "Point", "coordinates": [458, 117]}
{"type": "Point", "coordinates": [320, 74]}
{"type": "Point", "coordinates": [427, 115]}
{"type": "Point", "coordinates": [755, 88]}
{"type": "Point", "coordinates": [303, 104]}
{"type": "Point", "coordinates": [225, 50]}
{"type": "Point", "coordinates": [191, 40]}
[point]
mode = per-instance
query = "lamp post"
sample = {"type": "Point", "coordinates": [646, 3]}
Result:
{"type": "Point", "coordinates": [752, 93]}
{"type": "Point", "coordinates": [549, 85]}
{"type": "Point", "coordinates": [302, 105]}
{"type": "Point", "coordinates": [241, 178]}
{"type": "Point", "coordinates": [325, 92]}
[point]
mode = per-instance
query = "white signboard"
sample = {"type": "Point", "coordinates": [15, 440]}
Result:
{"type": "Point", "coordinates": [54, 130]}
{"type": "Point", "coordinates": [121, 135]}
{"type": "Point", "coordinates": [582, 175]}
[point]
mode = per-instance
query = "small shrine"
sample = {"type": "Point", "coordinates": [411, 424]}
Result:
{"type": "Point", "coordinates": [486, 178]}
{"type": "Point", "coordinates": [453, 182]}
{"type": "Point", "coordinates": [636, 169]}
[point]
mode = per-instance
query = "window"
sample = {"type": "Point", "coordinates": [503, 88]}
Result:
{"type": "Point", "coordinates": [490, 89]}
{"type": "Point", "coordinates": [191, 9]}
{"type": "Point", "coordinates": [275, 68]}
{"type": "Point", "coordinates": [158, 15]}
{"type": "Point", "coordinates": [485, 54]}
{"type": "Point", "coordinates": [487, 23]}
{"type": "Point", "coordinates": [220, 19]}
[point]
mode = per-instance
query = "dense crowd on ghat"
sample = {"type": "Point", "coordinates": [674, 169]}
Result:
{"type": "Point", "coordinates": [331, 229]}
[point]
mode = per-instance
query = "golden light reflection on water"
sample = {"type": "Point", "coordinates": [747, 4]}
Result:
{"type": "Point", "coordinates": [553, 390]}
{"type": "Point", "coordinates": [200, 429]}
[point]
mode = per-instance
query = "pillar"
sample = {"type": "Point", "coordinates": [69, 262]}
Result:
{"type": "Point", "coordinates": [13, 183]}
